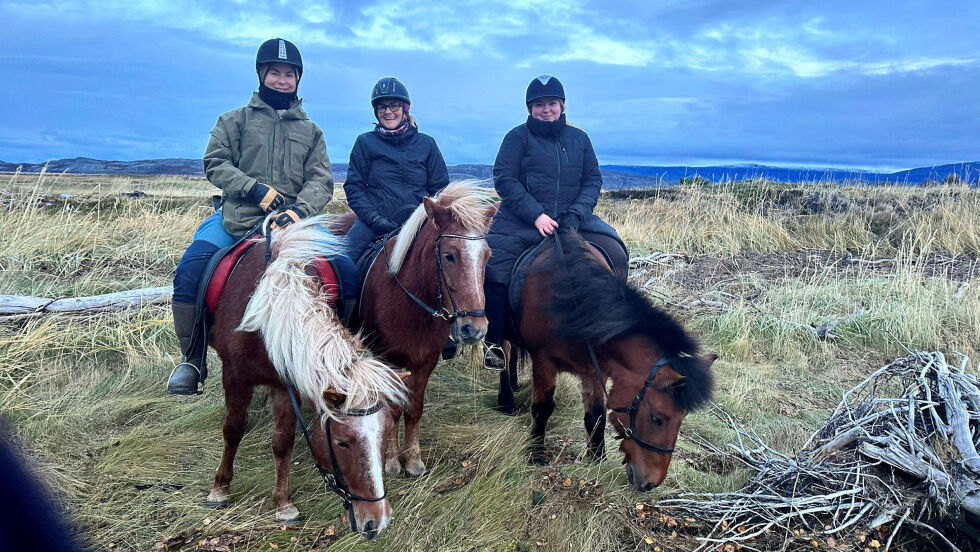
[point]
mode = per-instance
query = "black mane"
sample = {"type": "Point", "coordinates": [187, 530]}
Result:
{"type": "Point", "coordinates": [592, 305]}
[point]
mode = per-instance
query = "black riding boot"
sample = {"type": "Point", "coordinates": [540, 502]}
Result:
{"type": "Point", "coordinates": [496, 308]}
{"type": "Point", "coordinates": [187, 374]}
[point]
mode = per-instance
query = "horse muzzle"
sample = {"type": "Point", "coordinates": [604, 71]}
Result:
{"type": "Point", "coordinates": [639, 482]}
{"type": "Point", "coordinates": [469, 330]}
{"type": "Point", "coordinates": [369, 522]}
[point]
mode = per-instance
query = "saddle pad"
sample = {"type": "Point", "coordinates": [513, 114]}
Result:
{"type": "Point", "coordinates": [324, 270]}
{"type": "Point", "coordinates": [221, 272]}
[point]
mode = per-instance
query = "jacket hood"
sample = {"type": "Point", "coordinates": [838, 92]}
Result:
{"type": "Point", "coordinates": [294, 112]}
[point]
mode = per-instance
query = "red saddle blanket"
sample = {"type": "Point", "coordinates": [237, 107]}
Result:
{"type": "Point", "coordinates": [227, 264]}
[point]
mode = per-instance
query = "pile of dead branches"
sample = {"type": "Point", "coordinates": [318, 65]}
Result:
{"type": "Point", "coordinates": [899, 452]}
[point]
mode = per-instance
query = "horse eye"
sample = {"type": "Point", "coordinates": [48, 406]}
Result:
{"type": "Point", "coordinates": [449, 257]}
{"type": "Point", "coordinates": [655, 420]}
{"type": "Point", "coordinates": [343, 444]}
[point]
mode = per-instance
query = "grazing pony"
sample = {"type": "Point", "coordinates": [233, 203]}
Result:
{"type": "Point", "coordinates": [576, 316]}
{"type": "Point", "coordinates": [427, 283]}
{"type": "Point", "coordinates": [288, 332]}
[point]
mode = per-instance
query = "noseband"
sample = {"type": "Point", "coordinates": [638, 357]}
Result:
{"type": "Point", "coordinates": [335, 478]}
{"type": "Point", "coordinates": [442, 312]}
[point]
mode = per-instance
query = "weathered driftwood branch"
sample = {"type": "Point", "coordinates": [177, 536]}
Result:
{"type": "Point", "coordinates": [900, 449]}
{"type": "Point", "coordinates": [17, 307]}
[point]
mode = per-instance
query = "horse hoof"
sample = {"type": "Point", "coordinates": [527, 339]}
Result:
{"type": "Point", "coordinates": [393, 467]}
{"type": "Point", "coordinates": [537, 459]}
{"type": "Point", "coordinates": [414, 468]}
{"type": "Point", "coordinates": [507, 408]}
{"type": "Point", "coordinates": [287, 514]}
{"type": "Point", "coordinates": [217, 499]}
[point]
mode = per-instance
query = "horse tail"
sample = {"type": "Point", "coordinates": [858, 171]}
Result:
{"type": "Point", "coordinates": [305, 340]}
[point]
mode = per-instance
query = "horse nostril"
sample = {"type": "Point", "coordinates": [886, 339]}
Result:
{"type": "Point", "coordinates": [467, 330]}
{"type": "Point", "coordinates": [648, 486]}
{"type": "Point", "coordinates": [370, 529]}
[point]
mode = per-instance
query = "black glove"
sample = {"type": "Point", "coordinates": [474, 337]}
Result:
{"type": "Point", "coordinates": [287, 217]}
{"type": "Point", "coordinates": [382, 224]}
{"type": "Point", "coordinates": [268, 199]}
{"type": "Point", "coordinates": [571, 220]}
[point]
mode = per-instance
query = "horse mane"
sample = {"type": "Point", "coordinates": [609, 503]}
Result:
{"type": "Point", "coordinates": [465, 199]}
{"type": "Point", "coordinates": [305, 340]}
{"type": "Point", "coordinates": [592, 305]}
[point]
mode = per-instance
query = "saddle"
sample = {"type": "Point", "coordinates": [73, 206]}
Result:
{"type": "Point", "coordinates": [364, 265]}
{"type": "Point", "coordinates": [526, 259]}
{"type": "Point", "coordinates": [216, 275]}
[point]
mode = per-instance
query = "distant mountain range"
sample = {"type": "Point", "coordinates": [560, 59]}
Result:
{"type": "Point", "coordinates": [614, 176]}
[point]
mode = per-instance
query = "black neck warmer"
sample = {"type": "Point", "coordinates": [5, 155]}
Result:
{"type": "Point", "coordinates": [276, 99]}
{"type": "Point", "coordinates": [547, 129]}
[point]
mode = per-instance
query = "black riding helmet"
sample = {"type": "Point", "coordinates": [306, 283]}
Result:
{"type": "Point", "coordinates": [544, 86]}
{"type": "Point", "coordinates": [278, 50]}
{"type": "Point", "coordinates": [389, 87]}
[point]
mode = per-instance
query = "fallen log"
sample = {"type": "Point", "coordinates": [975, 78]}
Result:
{"type": "Point", "coordinates": [18, 307]}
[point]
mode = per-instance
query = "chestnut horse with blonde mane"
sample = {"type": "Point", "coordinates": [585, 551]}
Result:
{"type": "Point", "coordinates": [576, 316]}
{"type": "Point", "coordinates": [274, 324]}
{"type": "Point", "coordinates": [426, 284]}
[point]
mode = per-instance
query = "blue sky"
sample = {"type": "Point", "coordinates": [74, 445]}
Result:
{"type": "Point", "coordinates": [873, 84]}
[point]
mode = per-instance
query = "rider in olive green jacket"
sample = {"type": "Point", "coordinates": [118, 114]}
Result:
{"type": "Point", "coordinates": [285, 152]}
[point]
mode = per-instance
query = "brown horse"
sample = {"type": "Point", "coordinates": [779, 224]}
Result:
{"type": "Point", "coordinates": [426, 284]}
{"type": "Point", "coordinates": [576, 316]}
{"type": "Point", "coordinates": [287, 332]}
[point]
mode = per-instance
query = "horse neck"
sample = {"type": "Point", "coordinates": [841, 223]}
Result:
{"type": "Point", "coordinates": [633, 353]}
{"type": "Point", "coordinates": [418, 270]}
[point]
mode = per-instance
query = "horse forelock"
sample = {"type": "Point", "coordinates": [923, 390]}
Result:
{"type": "Point", "coordinates": [466, 201]}
{"type": "Point", "coordinates": [698, 382]}
{"type": "Point", "coordinates": [303, 337]}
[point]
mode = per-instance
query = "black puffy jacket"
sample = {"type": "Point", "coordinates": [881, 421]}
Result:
{"type": "Point", "coordinates": [546, 168]}
{"type": "Point", "coordinates": [389, 175]}
{"type": "Point", "coordinates": [541, 168]}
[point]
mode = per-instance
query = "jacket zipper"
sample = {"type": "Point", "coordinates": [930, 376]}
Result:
{"type": "Point", "coordinates": [558, 179]}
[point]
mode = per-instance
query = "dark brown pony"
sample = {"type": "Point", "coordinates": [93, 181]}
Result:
{"type": "Point", "coordinates": [571, 300]}
{"type": "Point", "coordinates": [439, 258]}
{"type": "Point", "coordinates": [274, 324]}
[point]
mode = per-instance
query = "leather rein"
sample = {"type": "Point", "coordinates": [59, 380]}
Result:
{"type": "Point", "coordinates": [442, 312]}
{"type": "Point", "coordinates": [629, 433]}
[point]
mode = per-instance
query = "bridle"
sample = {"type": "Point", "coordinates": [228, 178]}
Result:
{"type": "Point", "coordinates": [629, 433]}
{"type": "Point", "coordinates": [442, 312]}
{"type": "Point", "coordinates": [335, 478]}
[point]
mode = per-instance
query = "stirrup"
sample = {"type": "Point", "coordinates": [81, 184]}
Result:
{"type": "Point", "coordinates": [493, 357]}
{"type": "Point", "coordinates": [197, 390]}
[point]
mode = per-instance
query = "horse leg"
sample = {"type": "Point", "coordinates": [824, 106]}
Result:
{"type": "Point", "coordinates": [542, 405]}
{"type": "Point", "coordinates": [595, 419]}
{"type": "Point", "coordinates": [505, 397]}
{"type": "Point", "coordinates": [393, 465]}
{"type": "Point", "coordinates": [236, 416]}
{"type": "Point", "coordinates": [411, 452]}
{"type": "Point", "coordinates": [283, 436]}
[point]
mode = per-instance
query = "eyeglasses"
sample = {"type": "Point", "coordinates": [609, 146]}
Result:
{"type": "Point", "coordinates": [394, 107]}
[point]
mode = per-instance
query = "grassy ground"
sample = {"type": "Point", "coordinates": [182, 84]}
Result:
{"type": "Point", "coordinates": [133, 465]}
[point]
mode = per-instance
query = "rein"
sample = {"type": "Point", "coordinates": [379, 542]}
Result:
{"type": "Point", "coordinates": [442, 312]}
{"type": "Point", "coordinates": [335, 478]}
{"type": "Point", "coordinates": [629, 433]}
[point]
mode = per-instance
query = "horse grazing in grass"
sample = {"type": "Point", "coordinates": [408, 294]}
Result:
{"type": "Point", "coordinates": [576, 316]}
{"type": "Point", "coordinates": [288, 332]}
{"type": "Point", "coordinates": [427, 283]}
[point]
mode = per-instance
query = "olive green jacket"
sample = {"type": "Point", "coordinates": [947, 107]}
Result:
{"type": "Point", "coordinates": [285, 152]}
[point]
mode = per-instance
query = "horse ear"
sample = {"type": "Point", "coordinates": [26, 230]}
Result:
{"type": "Point", "coordinates": [333, 396]}
{"type": "Point", "coordinates": [430, 210]}
{"type": "Point", "coordinates": [708, 359]}
{"type": "Point", "coordinates": [677, 383]}
{"type": "Point", "coordinates": [491, 212]}
{"type": "Point", "coordinates": [403, 375]}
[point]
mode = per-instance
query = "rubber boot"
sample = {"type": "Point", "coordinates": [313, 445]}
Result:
{"type": "Point", "coordinates": [347, 307]}
{"type": "Point", "coordinates": [449, 349]}
{"type": "Point", "coordinates": [186, 375]}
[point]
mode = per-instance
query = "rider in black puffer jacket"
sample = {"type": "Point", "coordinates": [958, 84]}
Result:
{"type": "Point", "coordinates": [547, 175]}
{"type": "Point", "coordinates": [391, 168]}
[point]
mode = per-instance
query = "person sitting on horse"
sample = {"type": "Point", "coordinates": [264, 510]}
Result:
{"type": "Point", "coordinates": [391, 168]}
{"type": "Point", "coordinates": [547, 175]}
{"type": "Point", "coordinates": [267, 158]}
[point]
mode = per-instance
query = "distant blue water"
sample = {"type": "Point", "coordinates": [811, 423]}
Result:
{"type": "Point", "coordinates": [968, 172]}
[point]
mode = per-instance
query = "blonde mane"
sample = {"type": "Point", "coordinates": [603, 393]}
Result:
{"type": "Point", "coordinates": [305, 340]}
{"type": "Point", "coordinates": [465, 199]}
